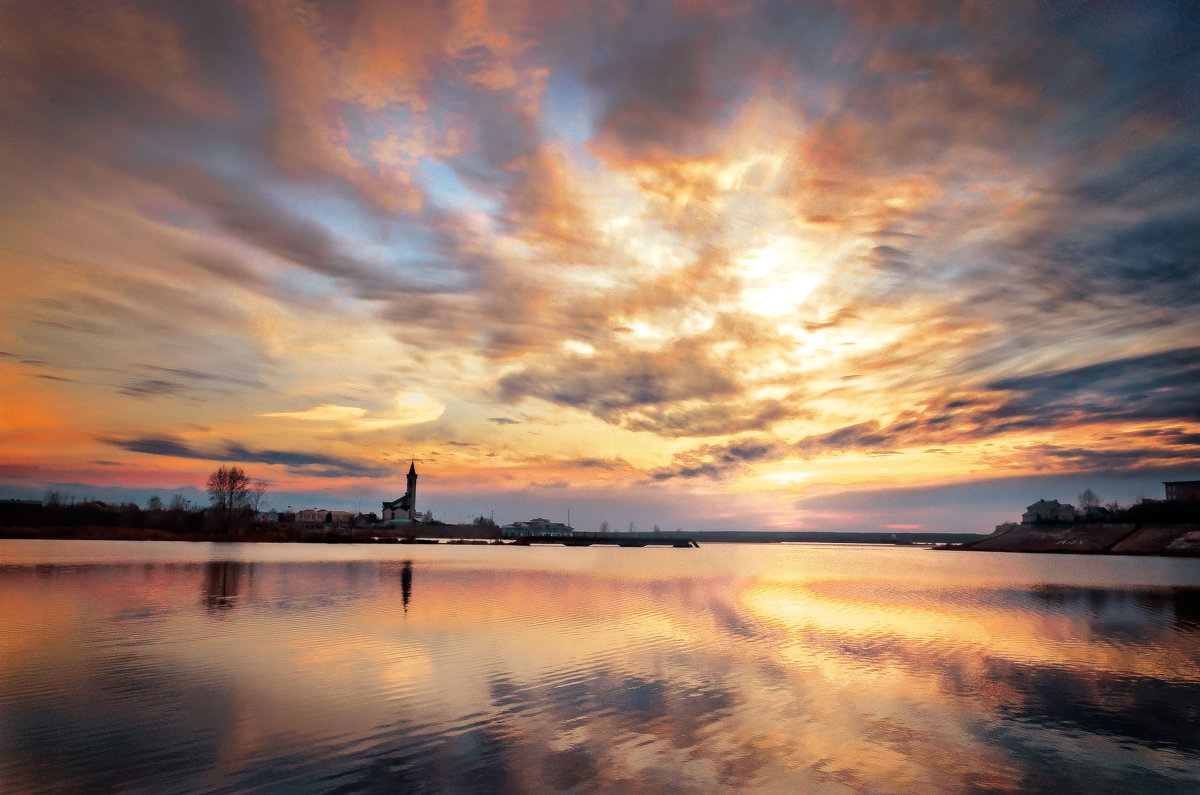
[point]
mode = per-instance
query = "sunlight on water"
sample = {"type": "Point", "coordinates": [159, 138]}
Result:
{"type": "Point", "coordinates": [183, 667]}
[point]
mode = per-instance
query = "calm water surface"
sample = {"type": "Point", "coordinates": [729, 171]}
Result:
{"type": "Point", "coordinates": [230, 667]}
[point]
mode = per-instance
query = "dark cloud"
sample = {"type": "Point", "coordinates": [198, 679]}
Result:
{"type": "Point", "coordinates": [156, 446]}
{"type": "Point", "coordinates": [863, 436]}
{"type": "Point", "coordinates": [183, 382]}
{"type": "Point", "coordinates": [710, 418]}
{"type": "Point", "coordinates": [613, 464]}
{"type": "Point", "coordinates": [1125, 459]}
{"type": "Point", "coordinates": [504, 421]}
{"type": "Point", "coordinates": [1160, 386]}
{"type": "Point", "coordinates": [196, 375]}
{"type": "Point", "coordinates": [151, 387]}
{"type": "Point", "coordinates": [890, 258]}
{"type": "Point", "coordinates": [659, 95]}
{"type": "Point", "coordinates": [721, 461]}
{"type": "Point", "coordinates": [612, 387]}
{"type": "Point", "coordinates": [549, 484]}
{"type": "Point", "coordinates": [244, 211]}
{"type": "Point", "coordinates": [300, 463]}
{"type": "Point", "coordinates": [1153, 388]}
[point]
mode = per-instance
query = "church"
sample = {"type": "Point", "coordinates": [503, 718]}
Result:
{"type": "Point", "coordinates": [404, 509]}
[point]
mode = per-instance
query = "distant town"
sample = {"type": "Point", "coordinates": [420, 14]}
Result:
{"type": "Point", "coordinates": [1168, 526]}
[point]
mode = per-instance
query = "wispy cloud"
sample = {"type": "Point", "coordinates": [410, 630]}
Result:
{"type": "Point", "coordinates": [320, 466]}
{"type": "Point", "coordinates": [717, 243]}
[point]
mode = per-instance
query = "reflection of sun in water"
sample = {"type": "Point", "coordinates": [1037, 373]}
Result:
{"type": "Point", "coordinates": [778, 278]}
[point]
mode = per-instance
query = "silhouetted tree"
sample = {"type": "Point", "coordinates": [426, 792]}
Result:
{"type": "Point", "coordinates": [154, 503]}
{"type": "Point", "coordinates": [257, 491]}
{"type": "Point", "coordinates": [1088, 502]}
{"type": "Point", "coordinates": [229, 489]}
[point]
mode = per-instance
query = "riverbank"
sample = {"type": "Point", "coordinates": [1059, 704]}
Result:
{"type": "Point", "coordinates": [1176, 540]}
{"type": "Point", "coordinates": [368, 535]}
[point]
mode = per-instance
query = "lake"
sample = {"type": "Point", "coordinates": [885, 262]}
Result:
{"type": "Point", "coordinates": [144, 666]}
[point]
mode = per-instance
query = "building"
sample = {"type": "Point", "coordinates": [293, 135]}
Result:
{"type": "Point", "coordinates": [1048, 511]}
{"type": "Point", "coordinates": [536, 527]}
{"type": "Point", "coordinates": [1182, 490]}
{"type": "Point", "coordinates": [404, 509]}
{"type": "Point", "coordinates": [323, 516]}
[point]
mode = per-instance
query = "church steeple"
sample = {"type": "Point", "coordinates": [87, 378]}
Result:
{"type": "Point", "coordinates": [406, 506]}
{"type": "Point", "coordinates": [411, 494]}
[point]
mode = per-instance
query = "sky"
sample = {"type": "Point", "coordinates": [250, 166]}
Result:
{"type": "Point", "coordinates": [697, 264]}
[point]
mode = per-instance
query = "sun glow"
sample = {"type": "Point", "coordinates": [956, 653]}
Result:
{"type": "Point", "coordinates": [778, 278]}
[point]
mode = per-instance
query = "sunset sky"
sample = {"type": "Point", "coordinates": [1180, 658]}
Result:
{"type": "Point", "coordinates": [710, 265]}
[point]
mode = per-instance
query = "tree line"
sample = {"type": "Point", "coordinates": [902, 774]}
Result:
{"type": "Point", "coordinates": [235, 501]}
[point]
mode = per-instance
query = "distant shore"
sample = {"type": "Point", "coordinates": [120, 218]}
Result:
{"type": "Point", "coordinates": [418, 532]}
{"type": "Point", "coordinates": [1166, 540]}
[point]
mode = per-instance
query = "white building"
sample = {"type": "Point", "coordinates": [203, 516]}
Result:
{"type": "Point", "coordinates": [536, 527]}
{"type": "Point", "coordinates": [1044, 511]}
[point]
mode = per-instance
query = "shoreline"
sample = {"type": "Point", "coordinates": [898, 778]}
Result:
{"type": "Point", "coordinates": [1175, 540]}
{"type": "Point", "coordinates": [469, 534]}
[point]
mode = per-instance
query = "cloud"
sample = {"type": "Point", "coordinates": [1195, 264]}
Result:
{"type": "Point", "coordinates": [1159, 386]}
{"type": "Point", "coordinates": [192, 383]}
{"type": "Point", "coordinates": [673, 112]}
{"type": "Point", "coordinates": [151, 387]}
{"type": "Point", "coordinates": [721, 461]}
{"type": "Point", "coordinates": [323, 413]}
{"type": "Point", "coordinates": [298, 463]}
{"type": "Point", "coordinates": [410, 408]}
{"type": "Point", "coordinates": [614, 387]}
{"type": "Point", "coordinates": [196, 375]}
{"type": "Point", "coordinates": [1152, 388]}
{"type": "Point", "coordinates": [822, 228]}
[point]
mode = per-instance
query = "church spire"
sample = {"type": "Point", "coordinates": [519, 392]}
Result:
{"type": "Point", "coordinates": [411, 494]}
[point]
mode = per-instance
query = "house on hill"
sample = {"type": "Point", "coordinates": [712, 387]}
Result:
{"type": "Point", "coordinates": [1048, 512]}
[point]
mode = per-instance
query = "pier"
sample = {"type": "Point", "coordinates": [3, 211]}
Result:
{"type": "Point", "coordinates": [624, 539]}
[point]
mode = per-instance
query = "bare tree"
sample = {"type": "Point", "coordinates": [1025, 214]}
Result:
{"type": "Point", "coordinates": [258, 490]}
{"type": "Point", "coordinates": [230, 491]}
{"type": "Point", "coordinates": [1088, 502]}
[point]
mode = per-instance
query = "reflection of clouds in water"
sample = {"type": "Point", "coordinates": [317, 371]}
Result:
{"type": "Point", "coordinates": [540, 679]}
{"type": "Point", "coordinates": [1113, 664]}
{"type": "Point", "coordinates": [1063, 630]}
